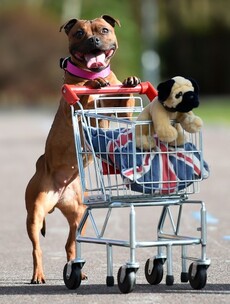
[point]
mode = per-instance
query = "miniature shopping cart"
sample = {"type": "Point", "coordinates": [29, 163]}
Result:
{"type": "Point", "coordinates": [116, 175]}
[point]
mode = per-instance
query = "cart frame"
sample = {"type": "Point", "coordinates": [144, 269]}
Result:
{"type": "Point", "coordinates": [126, 277]}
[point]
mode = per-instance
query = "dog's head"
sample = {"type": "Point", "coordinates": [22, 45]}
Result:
{"type": "Point", "coordinates": [92, 43]}
{"type": "Point", "coordinates": [179, 94]}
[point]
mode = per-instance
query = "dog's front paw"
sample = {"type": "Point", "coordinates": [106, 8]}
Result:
{"type": "Point", "coordinates": [131, 81]}
{"type": "Point", "coordinates": [97, 83]}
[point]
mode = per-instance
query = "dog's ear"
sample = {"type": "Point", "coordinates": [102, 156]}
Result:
{"type": "Point", "coordinates": [195, 85]}
{"type": "Point", "coordinates": [111, 20]}
{"type": "Point", "coordinates": [164, 89]}
{"type": "Point", "coordinates": [68, 25]}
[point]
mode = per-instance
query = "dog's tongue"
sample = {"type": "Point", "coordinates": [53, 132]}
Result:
{"type": "Point", "coordinates": [95, 60]}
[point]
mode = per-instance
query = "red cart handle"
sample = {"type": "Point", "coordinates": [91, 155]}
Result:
{"type": "Point", "coordinates": [70, 92]}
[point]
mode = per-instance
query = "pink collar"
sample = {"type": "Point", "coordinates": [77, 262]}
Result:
{"type": "Point", "coordinates": [73, 69]}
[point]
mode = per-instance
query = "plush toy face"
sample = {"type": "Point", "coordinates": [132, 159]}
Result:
{"type": "Point", "coordinates": [178, 94]}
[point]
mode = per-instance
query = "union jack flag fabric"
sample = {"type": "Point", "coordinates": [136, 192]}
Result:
{"type": "Point", "coordinates": [165, 170]}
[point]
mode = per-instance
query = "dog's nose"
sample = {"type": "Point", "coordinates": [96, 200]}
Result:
{"type": "Point", "coordinates": [94, 40]}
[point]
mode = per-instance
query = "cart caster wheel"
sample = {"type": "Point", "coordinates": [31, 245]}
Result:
{"type": "Point", "coordinates": [197, 277]}
{"type": "Point", "coordinates": [74, 280]}
{"type": "Point", "coordinates": [126, 279]}
{"type": "Point", "coordinates": [110, 281]}
{"type": "Point", "coordinates": [169, 280]}
{"type": "Point", "coordinates": [184, 277]}
{"type": "Point", "coordinates": [154, 273]}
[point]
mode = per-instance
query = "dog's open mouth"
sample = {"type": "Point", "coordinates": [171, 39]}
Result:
{"type": "Point", "coordinates": [96, 59]}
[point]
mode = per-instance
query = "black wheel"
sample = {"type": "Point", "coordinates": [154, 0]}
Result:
{"type": "Point", "coordinates": [154, 275]}
{"type": "Point", "coordinates": [74, 281]}
{"type": "Point", "coordinates": [197, 280]}
{"type": "Point", "coordinates": [110, 281]}
{"type": "Point", "coordinates": [126, 284]}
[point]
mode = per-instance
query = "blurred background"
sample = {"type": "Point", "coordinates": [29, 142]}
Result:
{"type": "Point", "coordinates": [158, 39]}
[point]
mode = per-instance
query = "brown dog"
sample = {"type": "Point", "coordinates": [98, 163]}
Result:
{"type": "Point", "coordinates": [55, 184]}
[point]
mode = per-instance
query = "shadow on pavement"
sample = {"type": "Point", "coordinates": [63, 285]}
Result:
{"type": "Point", "coordinates": [102, 289]}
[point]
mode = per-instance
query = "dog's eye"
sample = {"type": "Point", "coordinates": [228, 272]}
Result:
{"type": "Point", "coordinates": [178, 95]}
{"type": "Point", "coordinates": [79, 34]}
{"type": "Point", "coordinates": [104, 30]}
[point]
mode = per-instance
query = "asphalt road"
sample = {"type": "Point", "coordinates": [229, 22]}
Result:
{"type": "Point", "coordinates": [22, 139]}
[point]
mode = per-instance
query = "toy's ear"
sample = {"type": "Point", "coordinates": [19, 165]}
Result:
{"type": "Point", "coordinates": [164, 89]}
{"type": "Point", "coordinates": [195, 85]}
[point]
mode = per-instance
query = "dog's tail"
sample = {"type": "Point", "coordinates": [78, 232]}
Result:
{"type": "Point", "coordinates": [43, 230]}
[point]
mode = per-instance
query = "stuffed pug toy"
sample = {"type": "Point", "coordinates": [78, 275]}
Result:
{"type": "Point", "coordinates": [175, 101]}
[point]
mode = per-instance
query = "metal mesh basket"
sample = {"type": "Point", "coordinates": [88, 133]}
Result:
{"type": "Point", "coordinates": [117, 169]}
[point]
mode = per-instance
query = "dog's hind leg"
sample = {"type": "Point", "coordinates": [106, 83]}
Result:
{"type": "Point", "coordinates": [38, 204]}
{"type": "Point", "coordinates": [73, 221]}
{"type": "Point", "coordinates": [34, 223]}
{"type": "Point", "coordinates": [73, 212]}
